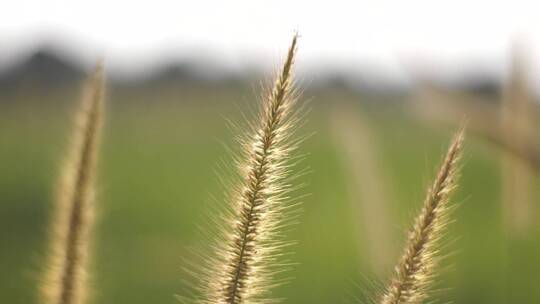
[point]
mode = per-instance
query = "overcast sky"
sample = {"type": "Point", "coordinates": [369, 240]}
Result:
{"type": "Point", "coordinates": [391, 35]}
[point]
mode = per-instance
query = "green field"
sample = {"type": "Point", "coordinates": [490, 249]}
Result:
{"type": "Point", "coordinates": [160, 151]}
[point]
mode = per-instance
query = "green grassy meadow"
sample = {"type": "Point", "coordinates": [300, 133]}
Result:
{"type": "Point", "coordinates": [160, 150]}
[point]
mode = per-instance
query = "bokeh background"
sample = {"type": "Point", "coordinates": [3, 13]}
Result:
{"type": "Point", "coordinates": [387, 84]}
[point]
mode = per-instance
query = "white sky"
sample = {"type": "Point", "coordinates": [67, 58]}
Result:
{"type": "Point", "coordinates": [392, 35]}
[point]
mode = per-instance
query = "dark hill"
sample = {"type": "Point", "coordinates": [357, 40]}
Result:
{"type": "Point", "coordinates": [42, 69]}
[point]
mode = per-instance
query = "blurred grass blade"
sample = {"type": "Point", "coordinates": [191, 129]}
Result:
{"type": "Point", "coordinates": [369, 190]}
{"type": "Point", "coordinates": [516, 129]}
{"type": "Point", "coordinates": [66, 277]}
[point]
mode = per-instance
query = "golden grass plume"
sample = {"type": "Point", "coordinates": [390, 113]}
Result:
{"type": "Point", "coordinates": [65, 280]}
{"type": "Point", "coordinates": [246, 255]}
{"type": "Point", "coordinates": [415, 272]}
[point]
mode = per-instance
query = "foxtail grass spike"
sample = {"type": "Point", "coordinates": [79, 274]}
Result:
{"type": "Point", "coordinates": [65, 281]}
{"type": "Point", "coordinates": [243, 266]}
{"type": "Point", "coordinates": [415, 272]}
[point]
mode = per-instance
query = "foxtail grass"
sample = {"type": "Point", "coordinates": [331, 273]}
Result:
{"type": "Point", "coordinates": [247, 254]}
{"type": "Point", "coordinates": [65, 280]}
{"type": "Point", "coordinates": [416, 271]}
